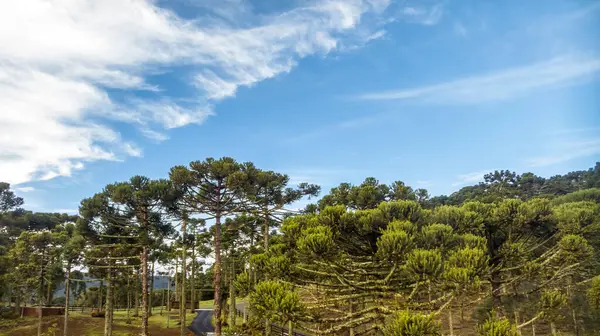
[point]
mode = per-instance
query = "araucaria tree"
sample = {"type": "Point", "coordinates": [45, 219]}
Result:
{"type": "Point", "coordinates": [214, 189]}
{"type": "Point", "coordinates": [513, 255]}
{"type": "Point", "coordinates": [129, 216]}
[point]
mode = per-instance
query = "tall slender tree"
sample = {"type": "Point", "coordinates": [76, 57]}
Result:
{"type": "Point", "coordinates": [146, 200]}
{"type": "Point", "coordinates": [215, 188]}
{"type": "Point", "coordinates": [270, 194]}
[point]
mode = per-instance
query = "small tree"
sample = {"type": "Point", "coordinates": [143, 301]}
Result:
{"type": "Point", "coordinates": [494, 326]}
{"type": "Point", "coordinates": [405, 323]}
{"type": "Point", "coordinates": [72, 254]}
{"type": "Point", "coordinates": [275, 301]}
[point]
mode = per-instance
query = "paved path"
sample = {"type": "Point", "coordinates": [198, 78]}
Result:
{"type": "Point", "coordinates": [202, 322]}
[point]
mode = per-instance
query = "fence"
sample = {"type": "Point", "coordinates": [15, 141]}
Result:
{"type": "Point", "coordinates": [276, 330]}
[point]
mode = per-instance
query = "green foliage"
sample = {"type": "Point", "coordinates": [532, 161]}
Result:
{"type": "Point", "coordinates": [460, 219]}
{"type": "Point", "coordinates": [497, 327]}
{"type": "Point", "coordinates": [394, 243]}
{"type": "Point", "coordinates": [591, 195]}
{"type": "Point", "coordinates": [405, 323]}
{"type": "Point", "coordinates": [8, 199]}
{"type": "Point", "coordinates": [593, 293]}
{"type": "Point", "coordinates": [574, 249]}
{"type": "Point", "coordinates": [426, 264]}
{"type": "Point", "coordinates": [573, 218]}
{"type": "Point", "coordinates": [366, 255]}
{"type": "Point", "coordinates": [276, 301]}
{"type": "Point", "coordinates": [437, 236]}
{"type": "Point", "coordinates": [317, 240]}
{"type": "Point", "coordinates": [473, 261]}
{"type": "Point", "coordinates": [243, 284]}
{"type": "Point", "coordinates": [551, 303]}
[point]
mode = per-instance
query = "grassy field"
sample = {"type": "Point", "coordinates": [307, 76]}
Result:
{"type": "Point", "coordinates": [82, 324]}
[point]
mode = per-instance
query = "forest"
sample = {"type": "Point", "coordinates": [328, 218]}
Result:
{"type": "Point", "coordinates": [516, 254]}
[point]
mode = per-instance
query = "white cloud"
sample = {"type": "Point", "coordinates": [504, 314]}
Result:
{"type": "Point", "coordinates": [500, 85]}
{"type": "Point", "coordinates": [59, 57]}
{"type": "Point", "coordinates": [470, 178]}
{"type": "Point", "coordinates": [425, 16]}
{"type": "Point", "coordinates": [567, 131]}
{"type": "Point", "coordinates": [323, 177]}
{"type": "Point", "coordinates": [25, 189]}
{"type": "Point", "coordinates": [460, 29]}
{"type": "Point", "coordinates": [567, 152]}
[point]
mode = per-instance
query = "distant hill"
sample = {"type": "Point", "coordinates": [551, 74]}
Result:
{"type": "Point", "coordinates": [160, 282]}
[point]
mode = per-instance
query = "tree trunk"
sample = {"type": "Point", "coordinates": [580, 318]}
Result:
{"type": "Point", "coordinates": [266, 246]}
{"type": "Point", "coordinates": [18, 309]}
{"type": "Point", "coordinates": [573, 312]}
{"type": "Point", "coordinates": [351, 311]}
{"type": "Point", "coordinates": [516, 313]}
{"type": "Point", "coordinates": [193, 285]}
{"type": "Point", "coordinates": [217, 276]}
{"type": "Point", "coordinates": [450, 321]}
{"type": "Point", "coordinates": [41, 295]}
{"type": "Point", "coordinates": [266, 231]}
{"type": "Point", "coordinates": [49, 293]}
{"type": "Point", "coordinates": [182, 305]}
{"type": "Point", "coordinates": [136, 309]}
{"type": "Point", "coordinates": [495, 283]}
{"type": "Point", "coordinates": [267, 328]}
{"type": "Point", "coordinates": [163, 303]}
{"type": "Point", "coordinates": [128, 299]}
{"type": "Point", "coordinates": [232, 308]}
{"type": "Point", "coordinates": [67, 295]}
{"type": "Point", "coordinates": [575, 323]}
{"type": "Point", "coordinates": [250, 268]}
{"type": "Point", "coordinates": [290, 328]}
{"type": "Point", "coordinates": [100, 295]}
{"type": "Point", "coordinates": [533, 329]}
{"type": "Point", "coordinates": [176, 294]}
{"type": "Point", "coordinates": [151, 289]}
{"type": "Point", "coordinates": [145, 291]}
{"type": "Point", "coordinates": [109, 301]}
{"type": "Point", "coordinates": [553, 328]}
{"type": "Point", "coordinates": [168, 299]}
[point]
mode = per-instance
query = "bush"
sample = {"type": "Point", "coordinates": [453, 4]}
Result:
{"type": "Point", "coordinates": [497, 327]}
{"type": "Point", "coordinates": [406, 323]}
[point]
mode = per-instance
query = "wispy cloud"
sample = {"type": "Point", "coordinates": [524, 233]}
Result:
{"type": "Point", "coordinates": [470, 178]}
{"type": "Point", "coordinates": [321, 176]}
{"type": "Point", "coordinates": [25, 189]}
{"type": "Point", "coordinates": [500, 85]}
{"type": "Point", "coordinates": [567, 152]}
{"type": "Point", "coordinates": [61, 61]}
{"type": "Point", "coordinates": [459, 29]}
{"type": "Point", "coordinates": [423, 15]}
{"type": "Point", "coordinates": [579, 130]}
{"type": "Point", "coordinates": [334, 128]}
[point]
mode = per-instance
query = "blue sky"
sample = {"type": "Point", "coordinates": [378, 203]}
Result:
{"type": "Point", "coordinates": [433, 93]}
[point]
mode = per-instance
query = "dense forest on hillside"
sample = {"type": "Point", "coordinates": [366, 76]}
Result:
{"type": "Point", "coordinates": [512, 255]}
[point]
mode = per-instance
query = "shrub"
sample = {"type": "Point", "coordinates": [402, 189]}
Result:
{"type": "Point", "coordinates": [497, 327]}
{"type": "Point", "coordinates": [406, 323]}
